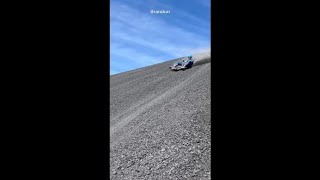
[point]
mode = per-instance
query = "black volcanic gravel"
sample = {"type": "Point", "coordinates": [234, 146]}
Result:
{"type": "Point", "coordinates": [160, 123]}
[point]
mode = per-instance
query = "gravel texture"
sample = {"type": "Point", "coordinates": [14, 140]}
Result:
{"type": "Point", "coordinates": [160, 123]}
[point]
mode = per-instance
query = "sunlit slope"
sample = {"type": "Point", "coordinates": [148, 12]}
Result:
{"type": "Point", "coordinates": [160, 122]}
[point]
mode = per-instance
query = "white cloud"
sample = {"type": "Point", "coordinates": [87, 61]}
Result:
{"type": "Point", "coordinates": [206, 3]}
{"type": "Point", "coordinates": [132, 29]}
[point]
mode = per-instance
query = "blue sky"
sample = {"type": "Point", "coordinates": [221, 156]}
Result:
{"type": "Point", "coordinates": [139, 38]}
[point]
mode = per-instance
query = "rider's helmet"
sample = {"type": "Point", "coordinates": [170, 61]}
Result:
{"type": "Point", "coordinates": [190, 57]}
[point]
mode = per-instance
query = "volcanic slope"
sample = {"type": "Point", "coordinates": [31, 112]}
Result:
{"type": "Point", "coordinates": [160, 123]}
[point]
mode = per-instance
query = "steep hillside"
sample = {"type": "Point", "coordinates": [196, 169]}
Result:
{"type": "Point", "coordinates": [160, 123]}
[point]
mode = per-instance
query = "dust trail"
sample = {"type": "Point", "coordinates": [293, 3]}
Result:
{"type": "Point", "coordinates": [202, 58]}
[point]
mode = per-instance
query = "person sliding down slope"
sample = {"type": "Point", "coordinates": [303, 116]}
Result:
{"type": "Point", "coordinates": [185, 64]}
